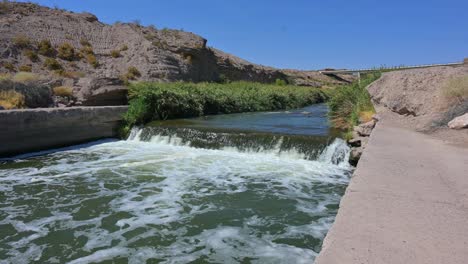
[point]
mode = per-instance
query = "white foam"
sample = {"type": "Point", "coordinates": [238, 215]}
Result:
{"type": "Point", "coordinates": [178, 184]}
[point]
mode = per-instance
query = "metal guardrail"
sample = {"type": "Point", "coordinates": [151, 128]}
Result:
{"type": "Point", "coordinates": [358, 71]}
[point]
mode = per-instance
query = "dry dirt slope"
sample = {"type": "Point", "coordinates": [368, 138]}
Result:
{"type": "Point", "coordinates": [158, 54]}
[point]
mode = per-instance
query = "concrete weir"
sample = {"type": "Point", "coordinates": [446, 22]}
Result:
{"type": "Point", "coordinates": [407, 203]}
{"type": "Point", "coordinates": [36, 129]}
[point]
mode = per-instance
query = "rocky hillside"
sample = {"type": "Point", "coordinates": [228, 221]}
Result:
{"type": "Point", "coordinates": [97, 60]}
{"type": "Point", "coordinates": [425, 99]}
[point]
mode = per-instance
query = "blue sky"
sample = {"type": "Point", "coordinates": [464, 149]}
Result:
{"type": "Point", "coordinates": [306, 34]}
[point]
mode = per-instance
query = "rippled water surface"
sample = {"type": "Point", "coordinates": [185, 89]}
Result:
{"type": "Point", "coordinates": [179, 193]}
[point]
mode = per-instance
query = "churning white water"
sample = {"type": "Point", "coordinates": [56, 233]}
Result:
{"type": "Point", "coordinates": [161, 200]}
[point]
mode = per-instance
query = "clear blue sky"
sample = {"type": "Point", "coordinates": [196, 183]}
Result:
{"type": "Point", "coordinates": [306, 34]}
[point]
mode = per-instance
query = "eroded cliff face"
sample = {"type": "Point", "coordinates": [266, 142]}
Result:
{"type": "Point", "coordinates": [103, 55]}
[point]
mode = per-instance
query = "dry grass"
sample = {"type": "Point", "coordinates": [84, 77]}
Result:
{"type": "Point", "coordinates": [365, 116]}
{"type": "Point", "coordinates": [25, 77]}
{"type": "Point", "coordinates": [10, 99]}
{"type": "Point", "coordinates": [115, 53]}
{"type": "Point", "coordinates": [457, 89]}
{"type": "Point", "coordinates": [32, 55]}
{"type": "Point", "coordinates": [25, 68]}
{"type": "Point", "coordinates": [66, 51]}
{"type": "Point", "coordinates": [65, 91]}
{"type": "Point", "coordinates": [5, 76]}
{"type": "Point", "coordinates": [91, 59]}
{"type": "Point", "coordinates": [52, 64]}
{"type": "Point", "coordinates": [45, 48]}
{"type": "Point", "coordinates": [9, 66]}
{"type": "Point", "coordinates": [85, 43]}
{"type": "Point", "coordinates": [21, 41]}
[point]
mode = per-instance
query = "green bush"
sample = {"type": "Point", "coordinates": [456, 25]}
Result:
{"type": "Point", "coordinates": [45, 48]}
{"type": "Point", "coordinates": [153, 101]}
{"type": "Point", "coordinates": [66, 51]}
{"type": "Point", "coordinates": [52, 64]}
{"type": "Point", "coordinates": [280, 82]}
{"type": "Point", "coordinates": [348, 102]}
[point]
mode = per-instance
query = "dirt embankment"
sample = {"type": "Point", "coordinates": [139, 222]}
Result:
{"type": "Point", "coordinates": [420, 100]}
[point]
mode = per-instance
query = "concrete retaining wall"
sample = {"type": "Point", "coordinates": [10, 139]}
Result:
{"type": "Point", "coordinates": [29, 130]}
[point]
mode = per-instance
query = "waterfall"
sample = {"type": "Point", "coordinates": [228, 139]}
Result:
{"type": "Point", "coordinates": [289, 146]}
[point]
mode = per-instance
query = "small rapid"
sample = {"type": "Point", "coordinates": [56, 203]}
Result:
{"type": "Point", "coordinates": [174, 195]}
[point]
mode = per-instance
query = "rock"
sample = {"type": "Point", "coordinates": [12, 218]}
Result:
{"type": "Point", "coordinates": [459, 122]}
{"type": "Point", "coordinates": [358, 142]}
{"type": "Point", "coordinates": [89, 17]}
{"type": "Point", "coordinates": [365, 129]}
{"type": "Point", "coordinates": [355, 155]}
{"type": "Point", "coordinates": [376, 117]}
{"type": "Point", "coordinates": [355, 142]}
{"type": "Point", "coordinates": [36, 93]}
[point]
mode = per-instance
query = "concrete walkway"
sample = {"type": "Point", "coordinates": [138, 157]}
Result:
{"type": "Point", "coordinates": [407, 203]}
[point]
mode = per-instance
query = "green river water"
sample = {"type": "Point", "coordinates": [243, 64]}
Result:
{"type": "Point", "coordinates": [243, 188]}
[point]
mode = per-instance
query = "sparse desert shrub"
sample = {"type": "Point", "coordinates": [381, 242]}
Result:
{"type": "Point", "coordinates": [66, 51]}
{"type": "Point", "coordinates": [115, 53]}
{"type": "Point", "coordinates": [64, 91]}
{"type": "Point", "coordinates": [124, 48]}
{"type": "Point", "coordinates": [45, 48]}
{"type": "Point", "coordinates": [32, 55]}
{"type": "Point", "coordinates": [25, 77]}
{"type": "Point", "coordinates": [21, 41]}
{"type": "Point", "coordinates": [133, 73]}
{"type": "Point", "coordinates": [84, 42]}
{"type": "Point", "coordinates": [9, 66]}
{"type": "Point", "coordinates": [25, 68]}
{"type": "Point", "coordinates": [52, 64]}
{"type": "Point", "coordinates": [86, 50]}
{"type": "Point", "coordinates": [91, 59]}
{"type": "Point", "coordinates": [11, 99]}
{"type": "Point", "coordinates": [457, 89]}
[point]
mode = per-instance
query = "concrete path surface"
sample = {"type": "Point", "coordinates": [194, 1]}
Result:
{"type": "Point", "coordinates": [407, 203]}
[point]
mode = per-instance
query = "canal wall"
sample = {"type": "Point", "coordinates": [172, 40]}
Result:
{"type": "Point", "coordinates": [27, 130]}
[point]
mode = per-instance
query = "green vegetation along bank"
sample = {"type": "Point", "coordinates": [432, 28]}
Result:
{"type": "Point", "coordinates": [351, 104]}
{"type": "Point", "coordinates": [160, 101]}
